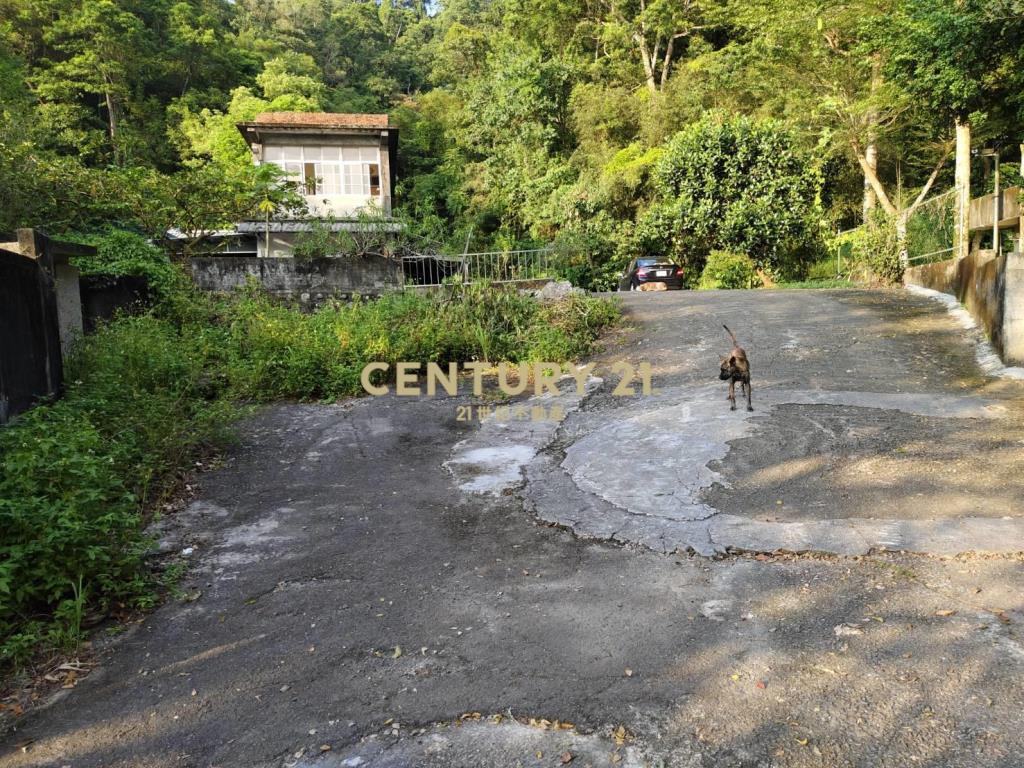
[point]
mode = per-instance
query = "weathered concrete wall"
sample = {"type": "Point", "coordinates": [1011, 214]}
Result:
{"type": "Point", "coordinates": [1013, 309]}
{"type": "Point", "coordinates": [69, 305]}
{"type": "Point", "coordinates": [309, 282]}
{"type": "Point", "coordinates": [979, 283]}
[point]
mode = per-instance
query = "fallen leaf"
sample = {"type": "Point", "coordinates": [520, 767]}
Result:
{"type": "Point", "coordinates": [801, 742]}
{"type": "Point", "coordinates": [397, 653]}
{"type": "Point", "coordinates": [325, 747]}
{"type": "Point", "coordinates": [734, 677]}
{"type": "Point", "coordinates": [567, 757]}
{"type": "Point", "coordinates": [629, 672]}
{"type": "Point", "coordinates": [615, 757]}
{"type": "Point", "coordinates": [945, 612]}
{"type": "Point", "coordinates": [761, 684]}
{"type": "Point", "coordinates": [847, 630]}
{"type": "Point", "coordinates": [539, 754]}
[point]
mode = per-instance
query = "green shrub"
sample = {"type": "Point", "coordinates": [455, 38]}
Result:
{"type": "Point", "coordinates": [276, 352]}
{"type": "Point", "coordinates": [872, 251]}
{"type": "Point", "coordinates": [120, 253]}
{"type": "Point", "coordinates": [725, 269]}
{"type": "Point", "coordinates": [75, 475]}
{"type": "Point", "coordinates": [732, 183]}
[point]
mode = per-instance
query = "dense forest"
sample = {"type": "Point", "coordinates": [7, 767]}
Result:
{"type": "Point", "coordinates": [611, 127]}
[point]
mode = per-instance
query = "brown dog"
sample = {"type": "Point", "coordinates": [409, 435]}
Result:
{"type": "Point", "coordinates": [653, 287]}
{"type": "Point", "coordinates": [736, 367]}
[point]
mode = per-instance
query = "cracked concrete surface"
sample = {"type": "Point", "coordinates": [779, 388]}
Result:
{"type": "Point", "coordinates": [651, 461]}
{"type": "Point", "coordinates": [333, 538]}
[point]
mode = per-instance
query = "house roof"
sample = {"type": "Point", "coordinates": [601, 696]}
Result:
{"type": "Point", "coordinates": [319, 120]}
{"type": "Point", "coordinates": [314, 123]}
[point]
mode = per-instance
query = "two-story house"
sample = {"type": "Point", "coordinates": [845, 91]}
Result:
{"type": "Point", "coordinates": [342, 164]}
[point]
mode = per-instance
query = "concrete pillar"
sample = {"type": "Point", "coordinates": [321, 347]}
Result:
{"type": "Point", "coordinates": [1013, 309]}
{"type": "Point", "coordinates": [963, 188]}
{"type": "Point", "coordinates": [69, 305]}
{"type": "Point", "coordinates": [385, 174]}
{"type": "Point", "coordinates": [63, 281]}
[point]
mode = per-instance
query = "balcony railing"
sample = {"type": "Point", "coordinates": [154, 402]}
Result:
{"type": "Point", "coordinates": [983, 209]}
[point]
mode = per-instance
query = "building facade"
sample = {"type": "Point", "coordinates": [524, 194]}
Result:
{"type": "Point", "coordinates": [341, 163]}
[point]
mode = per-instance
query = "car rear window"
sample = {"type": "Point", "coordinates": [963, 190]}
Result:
{"type": "Point", "coordinates": [646, 262]}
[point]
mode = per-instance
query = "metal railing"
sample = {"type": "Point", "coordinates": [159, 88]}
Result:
{"type": "Point", "coordinates": [489, 266]}
{"type": "Point", "coordinates": [930, 229]}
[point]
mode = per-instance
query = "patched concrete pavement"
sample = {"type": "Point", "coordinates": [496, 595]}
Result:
{"type": "Point", "coordinates": [355, 598]}
{"type": "Point", "coordinates": [890, 452]}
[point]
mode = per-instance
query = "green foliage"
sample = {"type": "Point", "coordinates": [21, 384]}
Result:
{"type": "Point", "coordinates": [75, 475]}
{"type": "Point", "coordinates": [275, 352]}
{"type": "Point", "coordinates": [874, 250]}
{"type": "Point", "coordinates": [739, 184]}
{"type": "Point", "coordinates": [120, 253]}
{"type": "Point", "coordinates": [959, 58]}
{"type": "Point", "coordinates": [725, 269]}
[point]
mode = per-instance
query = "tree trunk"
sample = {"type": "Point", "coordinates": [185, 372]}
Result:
{"type": "Point", "coordinates": [871, 160]}
{"type": "Point", "coordinates": [648, 60]}
{"type": "Point", "coordinates": [871, 177]}
{"type": "Point", "coordinates": [871, 147]}
{"type": "Point", "coordinates": [266, 234]}
{"type": "Point", "coordinates": [963, 188]}
{"type": "Point", "coordinates": [901, 237]}
{"type": "Point", "coordinates": [667, 63]}
{"type": "Point", "coordinates": [111, 114]}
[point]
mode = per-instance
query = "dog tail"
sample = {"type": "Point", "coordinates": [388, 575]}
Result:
{"type": "Point", "coordinates": [731, 334]}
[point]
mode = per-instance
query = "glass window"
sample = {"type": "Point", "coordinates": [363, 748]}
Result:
{"type": "Point", "coordinates": [331, 179]}
{"type": "Point", "coordinates": [294, 171]}
{"type": "Point", "coordinates": [329, 170]}
{"type": "Point", "coordinates": [373, 171]}
{"type": "Point", "coordinates": [311, 179]}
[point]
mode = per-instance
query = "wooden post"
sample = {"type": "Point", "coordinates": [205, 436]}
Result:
{"type": "Point", "coordinates": [963, 187]}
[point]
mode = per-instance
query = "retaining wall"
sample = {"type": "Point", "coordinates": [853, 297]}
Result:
{"type": "Point", "coordinates": [307, 282]}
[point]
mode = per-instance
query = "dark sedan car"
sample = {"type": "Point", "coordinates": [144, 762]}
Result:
{"type": "Point", "coordinates": [650, 270]}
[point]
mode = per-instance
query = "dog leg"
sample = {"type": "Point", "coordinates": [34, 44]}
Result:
{"type": "Point", "coordinates": [749, 406]}
{"type": "Point", "coordinates": [732, 394]}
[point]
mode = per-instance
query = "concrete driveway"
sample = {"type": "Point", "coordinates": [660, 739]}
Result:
{"type": "Point", "coordinates": [380, 584]}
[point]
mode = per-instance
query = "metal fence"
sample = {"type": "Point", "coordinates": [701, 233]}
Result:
{"type": "Point", "coordinates": [931, 229]}
{"type": "Point", "coordinates": [489, 266]}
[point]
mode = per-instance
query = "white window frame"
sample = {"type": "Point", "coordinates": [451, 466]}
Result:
{"type": "Point", "coordinates": [350, 170]}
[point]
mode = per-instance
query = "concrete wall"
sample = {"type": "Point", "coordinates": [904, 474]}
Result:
{"type": "Point", "coordinates": [979, 282]}
{"type": "Point", "coordinates": [69, 305]}
{"type": "Point", "coordinates": [1013, 308]}
{"type": "Point", "coordinates": [308, 282]}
